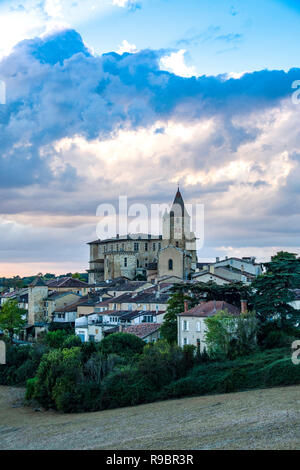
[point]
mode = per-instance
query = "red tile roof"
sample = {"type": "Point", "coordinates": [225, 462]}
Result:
{"type": "Point", "coordinates": [208, 309]}
{"type": "Point", "coordinates": [67, 282]}
{"type": "Point", "coordinates": [143, 330]}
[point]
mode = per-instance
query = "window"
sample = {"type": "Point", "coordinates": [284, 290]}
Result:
{"type": "Point", "coordinates": [136, 246]}
{"type": "Point", "coordinates": [117, 247]}
{"type": "Point", "coordinates": [198, 344]}
{"type": "Point", "coordinates": [111, 247]}
{"type": "Point", "coordinates": [125, 262]}
{"type": "Point", "coordinates": [146, 246]}
{"type": "Point", "coordinates": [147, 319]}
{"type": "Point", "coordinates": [185, 341]}
{"type": "Point", "coordinates": [137, 263]}
{"type": "Point", "coordinates": [123, 246]}
{"type": "Point", "coordinates": [159, 246]}
{"type": "Point", "coordinates": [198, 326]}
{"type": "Point", "coordinates": [154, 246]}
{"type": "Point", "coordinates": [177, 244]}
{"type": "Point", "coordinates": [185, 325]}
{"type": "Point", "coordinates": [170, 265]}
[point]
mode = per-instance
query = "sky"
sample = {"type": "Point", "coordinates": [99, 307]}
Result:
{"type": "Point", "coordinates": [122, 97]}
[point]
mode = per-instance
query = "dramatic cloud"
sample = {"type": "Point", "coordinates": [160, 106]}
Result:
{"type": "Point", "coordinates": [80, 129]}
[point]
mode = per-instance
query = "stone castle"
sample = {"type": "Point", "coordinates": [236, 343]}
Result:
{"type": "Point", "coordinates": [171, 255]}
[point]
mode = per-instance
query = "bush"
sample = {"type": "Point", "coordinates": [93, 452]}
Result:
{"type": "Point", "coordinates": [55, 339]}
{"type": "Point", "coordinates": [22, 364]}
{"type": "Point", "coordinates": [261, 370]}
{"type": "Point", "coordinates": [161, 363]}
{"type": "Point", "coordinates": [126, 387]}
{"type": "Point", "coordinates": [277, 339]}
{"type": "Point", "coordinates": [122, 344]}
{"type": "Point", "coordinates": [30, 388]}
{"type": "Point", "coordinates": [58, 374]}
{"type": "Point", "coordinates": [71, 341]}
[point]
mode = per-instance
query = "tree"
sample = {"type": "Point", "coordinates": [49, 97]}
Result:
{"type": "Point", "coordinates": [229, 336]}
{"type": "Point", "coordinates": [175, 306]}
{"type": "Point", "coordinates": [201, 291]}
{"type": "Point", "coordinates": [219, 332]}
{"type": "Point", "coordinates": [274, 290]}
{"type": "Point", "coordinates": [77, 276]}
{"type": "Point", "coordinates": [123, 344]}
{"type": "Point", "coordinates": [11, 320]}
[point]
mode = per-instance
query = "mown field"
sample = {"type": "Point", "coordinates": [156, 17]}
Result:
{"type": "Point", "coordinates": [258, 419]}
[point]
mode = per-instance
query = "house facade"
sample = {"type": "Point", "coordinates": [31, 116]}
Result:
{"type": "Point", "coordinates": [191, 323]}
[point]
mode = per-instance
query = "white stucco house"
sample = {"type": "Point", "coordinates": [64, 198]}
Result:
{"type": "Point", "coordinates": [191, 323]}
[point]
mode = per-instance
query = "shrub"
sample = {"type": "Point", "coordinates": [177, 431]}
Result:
{"type": "Point", "coordinates": [22, 364]}
{"type": "Point", "coordinates": [126, 387]}
{"type": "Point", "coordinates": [277, 339]}
{"type": "Point", "coordinates": [58, 373]}
{"type": "Point", "coordinates": [161, 363]}
{"type": "Point", "coordinates": [122, 344]}
{"type": "Point", "coordinates": [30, 388]}
{"type": "Point", "coordinates": [72, 341]}
{"type": "Point", "coordinates": [55, 339]}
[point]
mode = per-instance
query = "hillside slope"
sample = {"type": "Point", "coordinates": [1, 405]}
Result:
{"type": "Point", "coordinates": [259, 419]}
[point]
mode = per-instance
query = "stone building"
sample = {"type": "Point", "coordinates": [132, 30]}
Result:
{"type": "Point", "coordinates": [191, 326]}
{"type": "Point", "coordinates": [132, 256]}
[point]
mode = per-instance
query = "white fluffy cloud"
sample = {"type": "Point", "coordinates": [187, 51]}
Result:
{"type": "Point", "coordinates": [125, 46]}
{"type": "Point", "coordinates": [79, 130]}
{"type": "Point", "coordinates": [175, 63]}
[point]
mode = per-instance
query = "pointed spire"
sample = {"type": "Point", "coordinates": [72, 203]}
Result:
{"type": "Point", "coordinates": [178, 201]}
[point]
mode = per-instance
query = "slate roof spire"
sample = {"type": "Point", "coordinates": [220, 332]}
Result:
{"type": "Point", "coordinates": [178, 201]}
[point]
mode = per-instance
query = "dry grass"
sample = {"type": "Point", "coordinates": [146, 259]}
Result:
{"type": "Point", "coordinates": [260, 419]}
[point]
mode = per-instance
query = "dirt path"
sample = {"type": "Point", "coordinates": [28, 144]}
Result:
{"type": "Point", "coordinates": [260, 419]}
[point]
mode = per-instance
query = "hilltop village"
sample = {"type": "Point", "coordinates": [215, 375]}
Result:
{"type": "Point", "coordinates": [130, 281]}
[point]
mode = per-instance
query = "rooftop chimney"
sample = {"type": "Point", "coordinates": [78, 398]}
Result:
{"type": "Point", "coordinates": [186, 305]}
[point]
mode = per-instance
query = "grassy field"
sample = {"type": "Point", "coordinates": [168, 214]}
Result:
{"type": "Point", "coordinates": [260, 419]}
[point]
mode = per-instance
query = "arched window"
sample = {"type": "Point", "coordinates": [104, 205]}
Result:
{"type": "Point", "coordinates": [170, 265]}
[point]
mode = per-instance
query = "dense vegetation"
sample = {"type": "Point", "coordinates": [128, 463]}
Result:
{"type": "Point", "coordinates": [62, 373]}
{"type": "Point", "coordinates": [74, 377]}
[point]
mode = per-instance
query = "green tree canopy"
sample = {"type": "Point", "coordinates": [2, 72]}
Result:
{"type": "Point", "coordinates": [122, 344]}
{"type": "Point", "coordinates": [11, 320]}
{"type": "Point", "coordinates": [201, 291]}
{"type": "Point", "coordinates": [273, 291]}
{"type": "Point", "coordinates": [229, 336]}
{"type": "Point", "coordinates": [175, 306]}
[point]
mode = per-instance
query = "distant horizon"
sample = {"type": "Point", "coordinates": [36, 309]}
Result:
{"type": "Point", "coordinates": [62, 271]}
